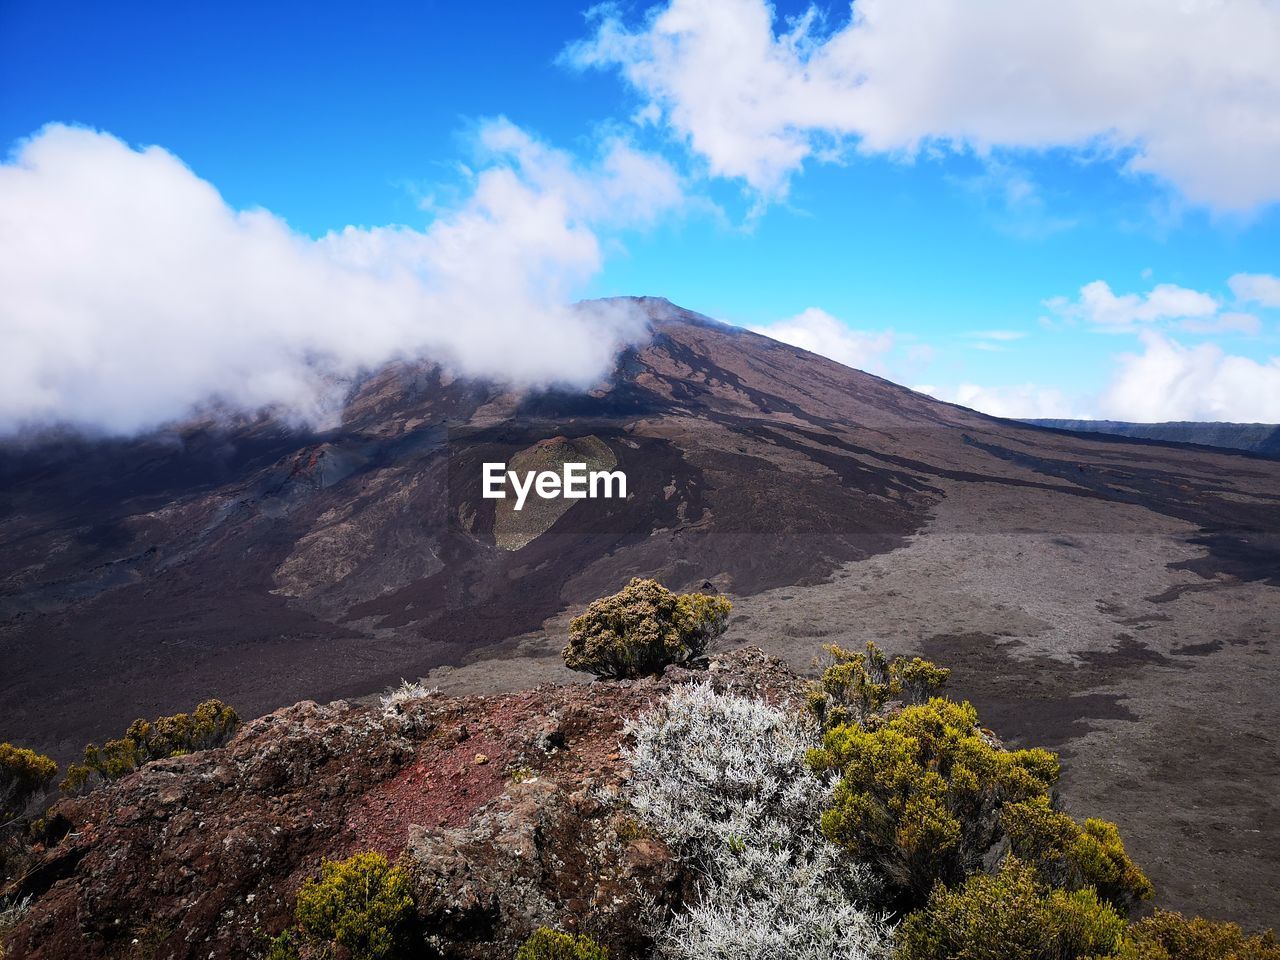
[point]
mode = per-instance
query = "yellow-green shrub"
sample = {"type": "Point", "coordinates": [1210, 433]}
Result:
{"type": "Point", "coordinates": [920, 793]}
{"type": "Point", "coordinates": [362, 903]}
{"type": "Point", "coordinates": [283, 947]}
{"type": "Point", "coordinates": [642, 628]}
{"type": "Point", "coordinates": [210, 724]}
{"type": "Point", "coordinates": [856, 685]}
{"type": "Point", "coordinates": [1072, 856]}
{"type": "Point", "coordinates": [1011, 915]}
{"type": "Point", "coordinates": [1171, 936]}
{"type": "Point", "coordinates": [23, 773]}
{"type": "Point", "coordinates": [548, 944]}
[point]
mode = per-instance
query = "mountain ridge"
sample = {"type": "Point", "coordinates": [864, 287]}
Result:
{"type": "Point", "coordinates": [220, 547]}
{"type": "Point", "coordinates": [1260, 439]}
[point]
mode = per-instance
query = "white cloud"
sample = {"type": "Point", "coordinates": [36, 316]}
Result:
{"type": "Point", "coordinates": [1004, 336]}
{"type": "Point", "coordinates": [1244, 323]}
{"type": "Point", "coordinates": [132, 293]}
{"type": "Point", "coordinates": [1165, 381]}
{"type": "Point", "coordinates": [1169, 381]}
{"type": "Point", "coordinates": [819, 332]}
{"type": "Point", "coordinates": [1188, 91]}
{"type": "Point", "coordinates": [993, 341]}
{"type": "Point", "coordinates": [1098, 305]}
{"type": "Point", "coordinates": [1260, 288]}
{"type": "Point", "coordinates": [1020, 401]}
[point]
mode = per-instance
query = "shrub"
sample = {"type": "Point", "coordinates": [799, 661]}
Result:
{"type": "Point", "coordinates": [707, 767]}
{"type": "Point", "coordinates": [396, 697]}
{"type": "Point", "coordinates": [23, 774]}
{"type": "Point", "coordinates": [548, 944]}
{"type": "Point", "coordinates": [920, 793]}
{"type": "Point", "coordinates": [283, 947]}
{"type": "Point", "coordinates": [1171, 936]}
{"type": "Point", "coordinates": [643, 628]}
{"type": "Point", "coordinates": [1071, 856]}
{"type": "Point", "coordinates": [854, 686]}
{"type": "Point", "coordinates": [363, 904]}
{"type": "Point", "coordinates": [724, 781]}
{"type": "Point", "coordinates": [211, 724]}
{"type": "Point", "coordinates": [11, 915]}
{"type": "Point", "coordinates": [805, 916]}
{"type": "Point", "coordinates": [1010, 915]}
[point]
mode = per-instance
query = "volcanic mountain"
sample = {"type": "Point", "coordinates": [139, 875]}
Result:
{"type": "Point", "coordinates": [1114, 600]}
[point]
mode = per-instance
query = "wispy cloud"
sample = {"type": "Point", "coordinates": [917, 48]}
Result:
{"type": "Point", "coordinates": [1259, 288]}
{"type": "Point", "coordinates": [1001, 335]}
{"type": "Point", "coordinates": [1233, 322]}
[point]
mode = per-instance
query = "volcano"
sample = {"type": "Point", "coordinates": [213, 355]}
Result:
{"type": "Point", "coordinates": [1111, 598]}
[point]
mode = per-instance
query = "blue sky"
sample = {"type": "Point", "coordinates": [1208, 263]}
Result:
{"type": "Point", "coordinates": [922, 230]}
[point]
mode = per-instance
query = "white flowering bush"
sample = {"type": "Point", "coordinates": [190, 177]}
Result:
{"type": "Point", "coordinates": [11, 915]}
{"type": "Point", "coordinates": [804, 917]}
{"type": "Point", "coordinates": [723, 780]}
{"type": "Point", "coordinates": [408, 690]}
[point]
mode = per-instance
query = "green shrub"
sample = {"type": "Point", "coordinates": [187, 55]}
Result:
{"type": "Point", "coordinates": [23, 774]}
{"type": "Point", "coordinates": [1171, 936]}
{"type": "Point", "coordinates": [643, 628]}
{"type": "Point", "coordinates": [921, 791]}
{"type": "Point", "coordinates": [1010, 916]}
{"type": "Point", "coordinates": [363, 904]}
{"type": "Point", "coordinates": [854, 686]}
{"type": "Point", "coordinates": [210, 724]}
{"type": "Point", "coordinates": [548, 944]}
{"type": "Point", "coordinates": [1071, 856]}
{"type": "Point", "coordinates": [283, 947]}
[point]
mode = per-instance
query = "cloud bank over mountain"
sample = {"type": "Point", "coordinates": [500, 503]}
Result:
{"type": "Point", "coordinates": [1187, 92]}
{"type": "Point", "coordinates": [1171, 381]}
{"type": "Point", "coordinates": [1165, 380]}
{"type": "Point", "coordinates": [817, 331]}
{"type": "Point", "coordinates": [134, 294]}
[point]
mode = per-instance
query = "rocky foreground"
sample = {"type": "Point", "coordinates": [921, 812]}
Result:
{"type": "Point", "coordinates": [506, 809]}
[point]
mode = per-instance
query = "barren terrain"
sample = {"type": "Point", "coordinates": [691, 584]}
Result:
{"type": "Point", "coordinates": [1117, 601]}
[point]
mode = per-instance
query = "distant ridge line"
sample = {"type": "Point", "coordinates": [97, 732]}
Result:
{"type": "Point", "coordinates": [1262, 439]}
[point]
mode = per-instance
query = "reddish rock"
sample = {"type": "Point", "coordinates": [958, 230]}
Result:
{"type": "Point", "coordinates": [201, 856]}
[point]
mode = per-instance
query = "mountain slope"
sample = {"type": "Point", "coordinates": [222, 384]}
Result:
{"type": "Point", "coordinates": [1115, 600]}
{"type": "Point", "coordinates": [264, 566]}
